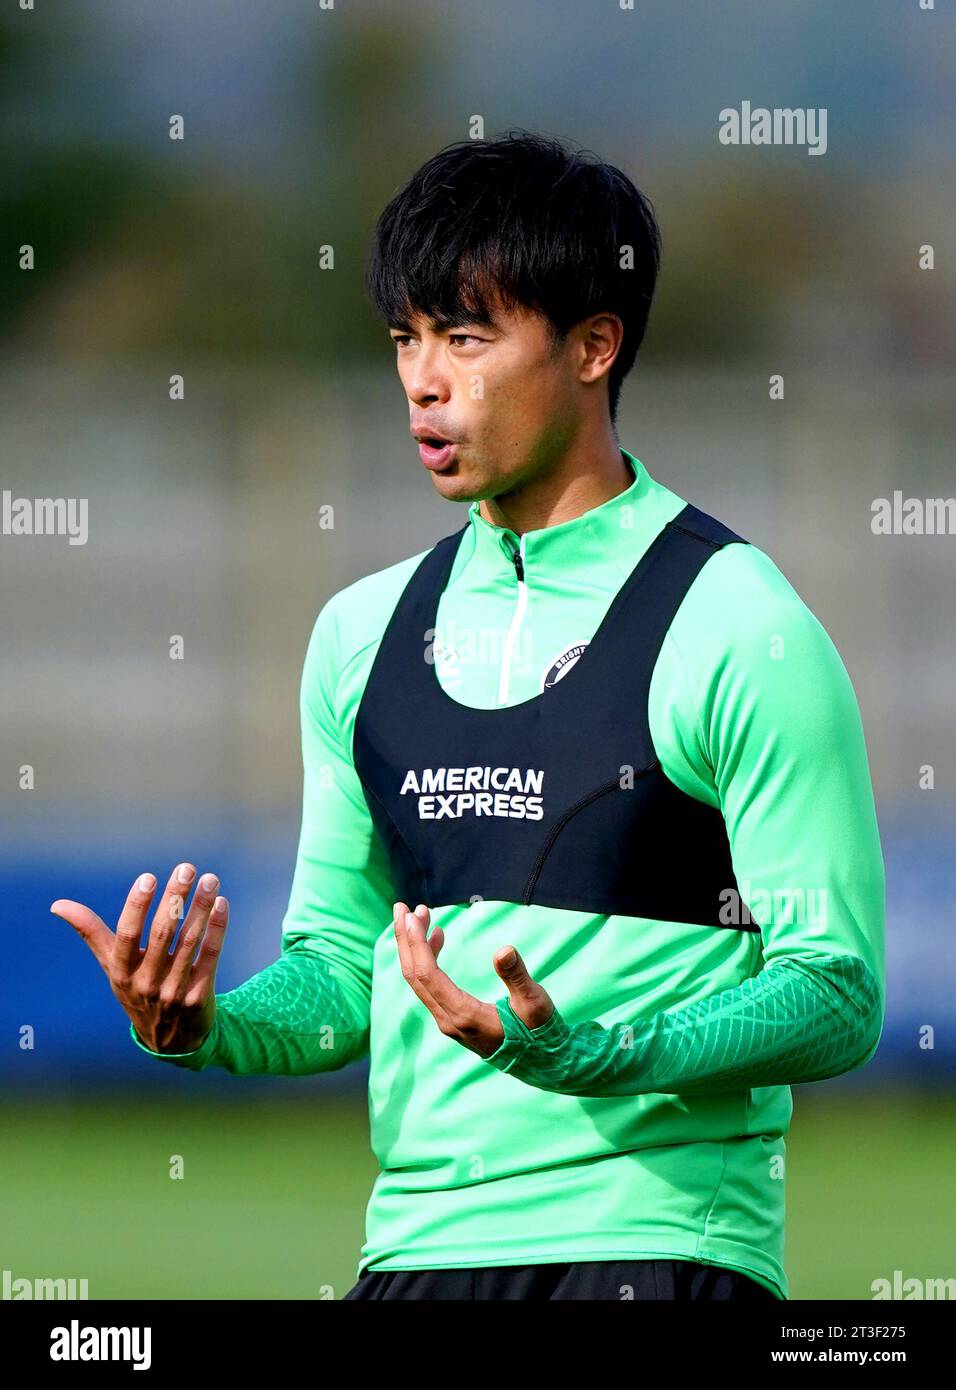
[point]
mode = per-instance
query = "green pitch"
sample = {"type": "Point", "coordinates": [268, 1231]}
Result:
{"type": "Point", "coordinates": [273, 1198]}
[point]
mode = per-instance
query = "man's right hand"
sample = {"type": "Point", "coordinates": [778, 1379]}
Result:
{"type": "Point", "coordinates": [170, 999]}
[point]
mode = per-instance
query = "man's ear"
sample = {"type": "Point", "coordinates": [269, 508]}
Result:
{"type": "Point", "coordinates": [602, 336]}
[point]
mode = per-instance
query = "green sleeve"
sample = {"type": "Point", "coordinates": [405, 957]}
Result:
{"type": "Point", "coordinates": [291, 1019]}
{"type": "Point", "coordinates": [308, 1011]}
{"type": "Point", "coordinates": [755, 713]}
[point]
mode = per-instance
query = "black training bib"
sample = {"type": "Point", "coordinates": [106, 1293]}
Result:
{"type": "Point", "coordinates": [559, 800]}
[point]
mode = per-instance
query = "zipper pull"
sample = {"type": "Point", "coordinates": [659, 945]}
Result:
{"type": "Point", "coordinates": [518, 562]}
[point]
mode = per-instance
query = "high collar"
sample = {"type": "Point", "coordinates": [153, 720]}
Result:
{"type": "Point", "coordinates": [604, 535]}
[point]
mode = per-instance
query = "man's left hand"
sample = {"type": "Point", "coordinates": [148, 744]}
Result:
{"type": "Point", "coordinates": [459, 1015]}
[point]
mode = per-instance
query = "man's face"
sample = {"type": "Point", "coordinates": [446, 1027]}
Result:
{"type": "Point", "coordinates": [505, 397]}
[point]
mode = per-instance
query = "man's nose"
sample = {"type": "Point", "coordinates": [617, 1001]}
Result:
{"type": "Point", "coordinates": [426, 379]}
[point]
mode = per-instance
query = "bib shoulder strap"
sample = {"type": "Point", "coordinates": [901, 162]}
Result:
{"type": "Point", "coordinates": [414, 614]}
{"type": "Point", "coordinates": [622, 655]}
{"type": "Point", "coordinates": [704, 527]}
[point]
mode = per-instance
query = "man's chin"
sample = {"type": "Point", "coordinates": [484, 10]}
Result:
{"type": "Point", "coordinates": [456, 484]}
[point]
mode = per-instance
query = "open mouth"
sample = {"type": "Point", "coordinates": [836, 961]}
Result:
{"type": "Point", "coordinates": [435, 453]}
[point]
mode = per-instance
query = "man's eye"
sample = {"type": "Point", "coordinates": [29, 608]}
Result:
{"type": "Point", "coordinates": [402, 338]}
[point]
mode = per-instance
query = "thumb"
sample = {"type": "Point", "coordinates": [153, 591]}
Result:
{"type": "Point", "coordinates": [530, 1001]}
{"type": "Point", "coordinates": [87, 924]}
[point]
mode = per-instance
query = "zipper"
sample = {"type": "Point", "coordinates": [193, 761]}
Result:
{"type": "Point", "coordinates": [514, 627]}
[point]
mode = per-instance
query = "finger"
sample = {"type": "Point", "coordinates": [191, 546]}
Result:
{"type": "Point", "coordinates": [513, 970]}
{"type": "Point", "coordinates": [399, 913]}
{"type": "Point", "coordinates": [410, 968]}
{"type": "Point", "coordinates": [129, 928]}
{"type": "Point", "coordinates": [166, 919]}
{"type": "Point", "coordinates": [531, 1001]}
{"type": "Point", "coordinates": [446, 995]}
{"type": "Point", "coordinates": [203, 978]}
{"type": "Point", "coordinates": [459, 1015]}
{"type": "Point", "coordinates": [435, 936]}
{"type": "Point", "coordinates": [194, 924]}
{"type": "Point", "coordinates": [85, 922]}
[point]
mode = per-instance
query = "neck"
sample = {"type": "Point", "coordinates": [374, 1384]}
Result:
{"type": "Point", "coordinates": [590, 471]}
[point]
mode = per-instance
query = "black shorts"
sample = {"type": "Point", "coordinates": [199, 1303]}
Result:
{"type": "Point", "coordinates": [616, 1280]}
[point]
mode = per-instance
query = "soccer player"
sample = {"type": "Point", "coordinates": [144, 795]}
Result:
{"type": "Point", "coordinates": [603, 749]}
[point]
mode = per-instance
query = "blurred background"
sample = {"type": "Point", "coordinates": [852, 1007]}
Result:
{"type": "Point", "coordinates": [202, 257]}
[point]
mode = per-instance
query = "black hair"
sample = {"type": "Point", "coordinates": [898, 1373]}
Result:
{"type": "Point", "coordinates": [527, 220]}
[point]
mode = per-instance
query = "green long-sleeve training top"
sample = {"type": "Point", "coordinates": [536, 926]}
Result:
{"type": "Point", "coordinates": [646, 1118]}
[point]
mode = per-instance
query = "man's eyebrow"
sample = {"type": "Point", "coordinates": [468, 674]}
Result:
{"type": "Point", "coordinates": [443, 322]}
{"type": "Point", "coordinates": [440, 323]}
